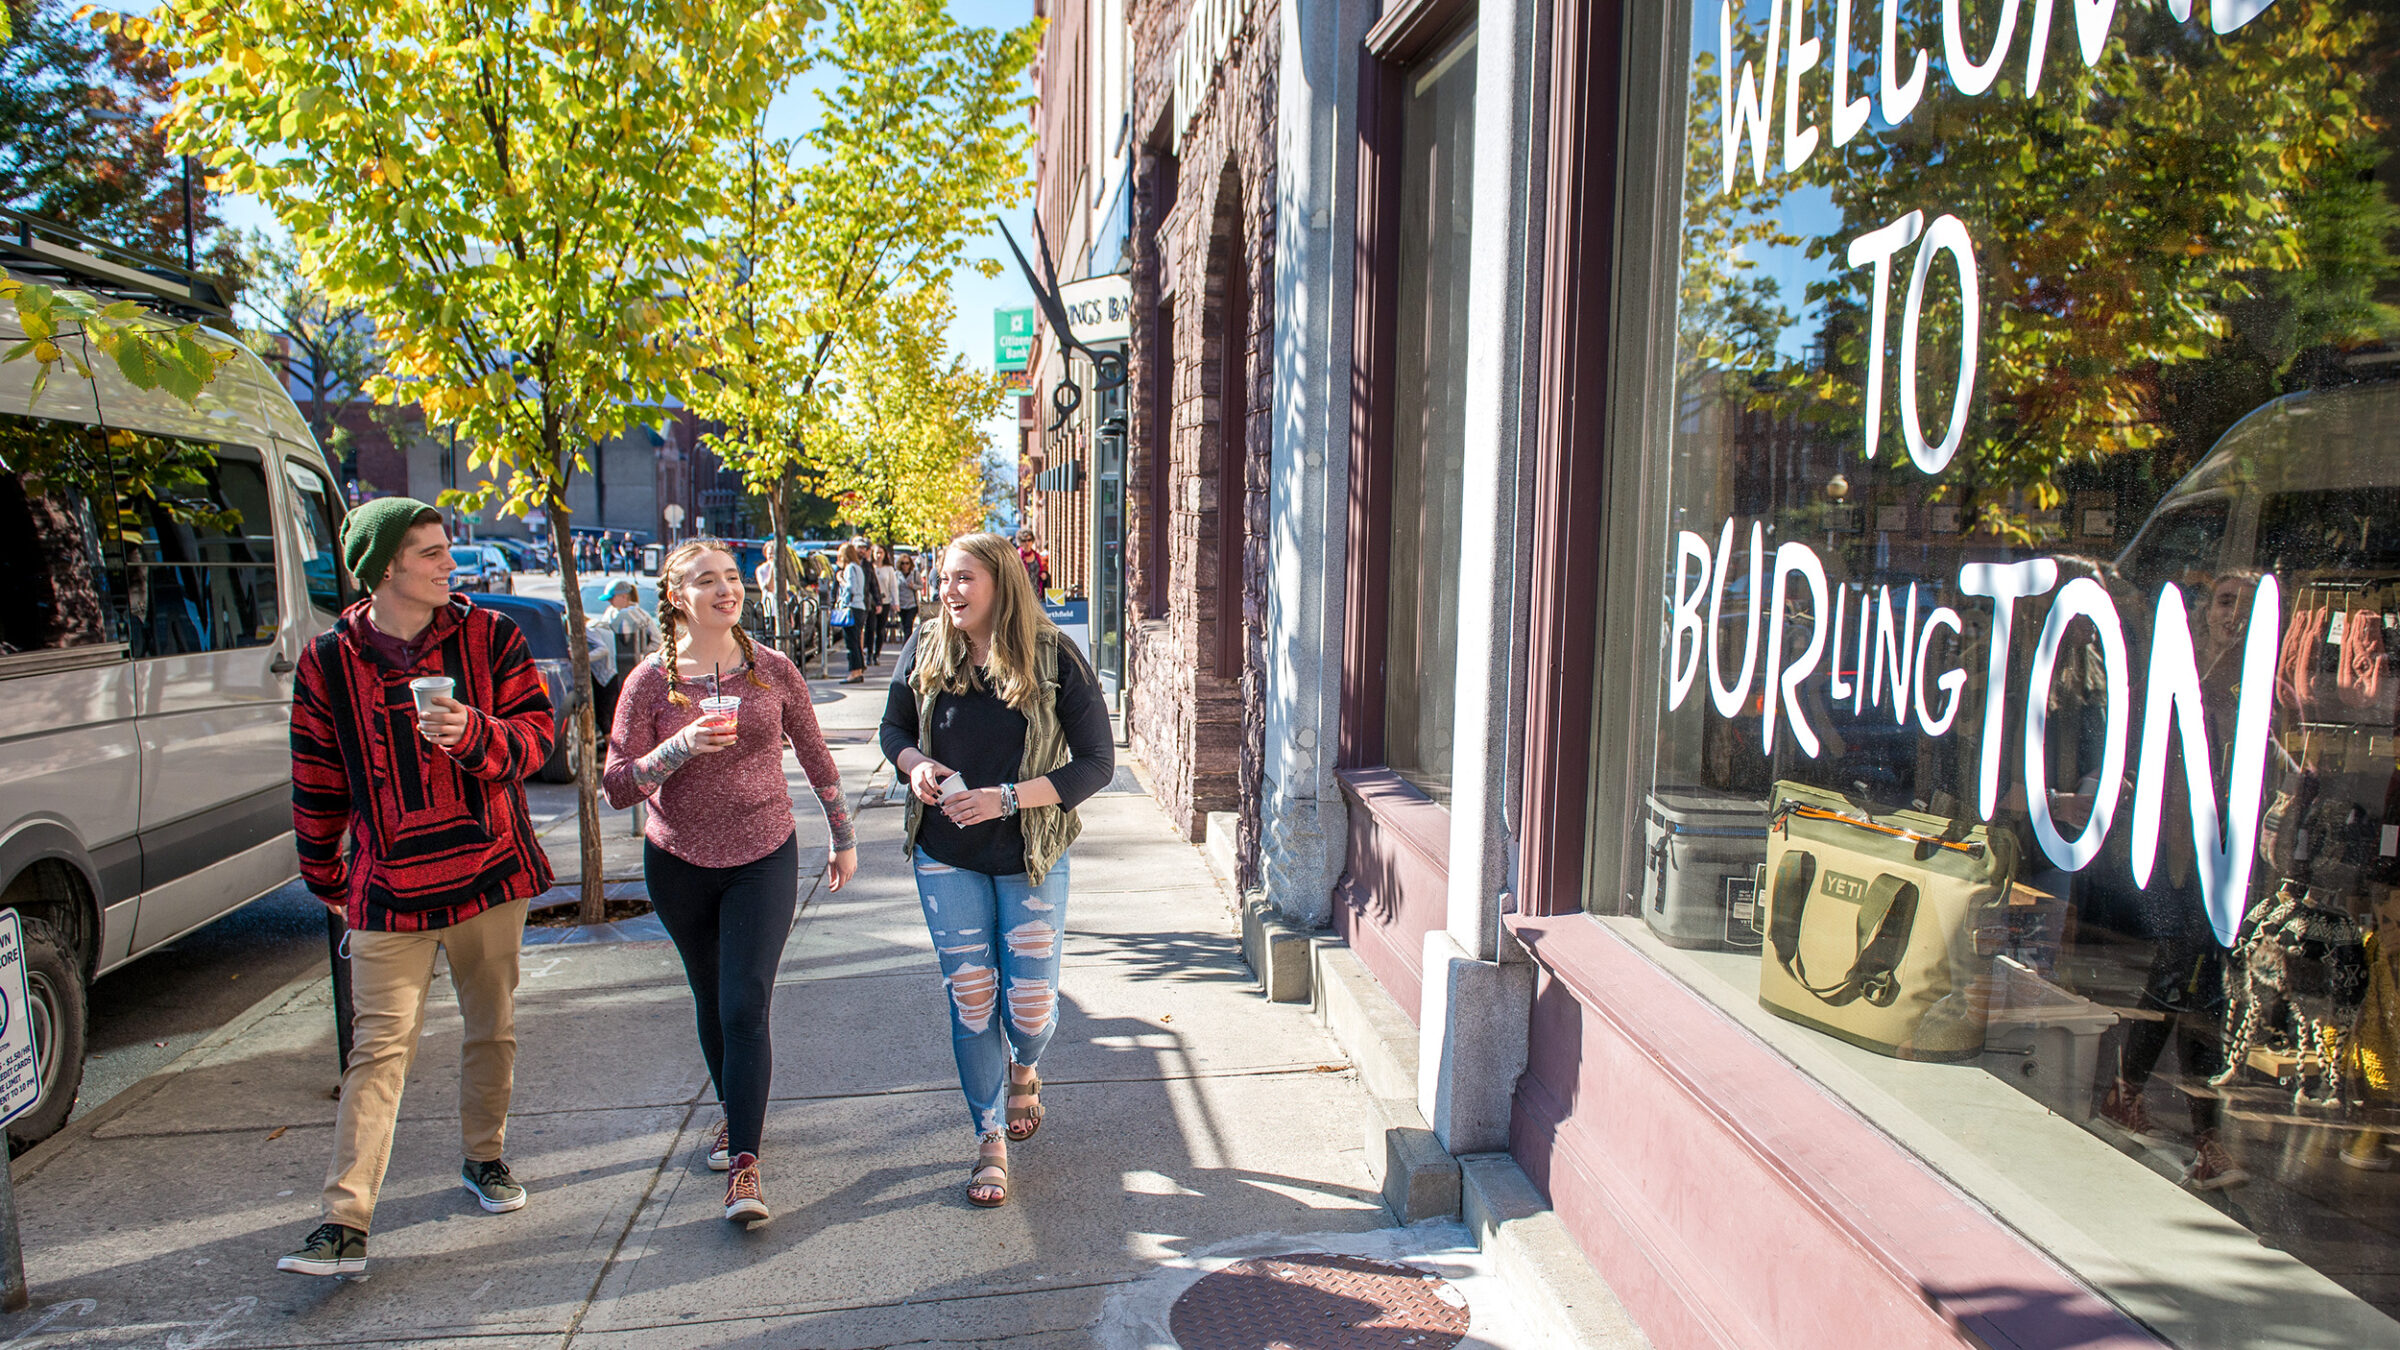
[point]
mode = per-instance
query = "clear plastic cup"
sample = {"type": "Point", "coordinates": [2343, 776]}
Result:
{"type": "Point", "coordinates": [722, 710]}
{"type": "Point", "coordinates": [426, 688]}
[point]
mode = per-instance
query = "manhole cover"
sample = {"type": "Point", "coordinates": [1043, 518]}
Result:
{"type": "Point", "coordinates": [1312, 1301]}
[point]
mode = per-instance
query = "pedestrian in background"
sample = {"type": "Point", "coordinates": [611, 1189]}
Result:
{"type": "Point", "coordinates": [999, 726]}
{"type": "Point", "coordinates": [631, 634]}
{"type": "Point", "coordinates": [887, 583]}
{"type": "Point", "coordinates": [908, 586]}
{"type": "Point", "coordinates": [1036, 562]}
{"type": "Point", "coordinates": [875, 599]}
{"type": "Point", "coordinates": [850, 610]}
{"type": "Point", "coordinates": [719, 853]}
{"type": "Point", "coordinates": [427, 780]}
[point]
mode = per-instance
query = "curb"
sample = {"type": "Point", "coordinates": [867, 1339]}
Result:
{"type": "Point", "coordinates": [41, 1155]}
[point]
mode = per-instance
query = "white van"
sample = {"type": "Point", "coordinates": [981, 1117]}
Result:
{"type": "Point", "coordinates": [161, 566]}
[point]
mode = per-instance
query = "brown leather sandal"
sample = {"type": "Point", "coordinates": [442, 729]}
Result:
{"type": "Point", "coordinates": [1028, 1116]}
{"type": "Point", "coordinates": [978, 1180]}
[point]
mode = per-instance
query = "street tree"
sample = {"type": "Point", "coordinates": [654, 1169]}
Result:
{"type": "Point", "coordinates": [903, 448]}
{"type": "Point", "coordinates": [326, 348]}
{"type": "Point", "coordinates": [79, 144]}
{"type": "Point", "coordinates": [508, 191]}
{"type": "Point", "coordinates": [922, 135]}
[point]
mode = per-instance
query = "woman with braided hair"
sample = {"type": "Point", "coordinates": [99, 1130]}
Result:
{"type": "Point", "coordinates": [720, 853]}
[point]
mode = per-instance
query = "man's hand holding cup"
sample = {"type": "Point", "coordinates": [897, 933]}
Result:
{"type": "Point", "coordinates": [441, 719]}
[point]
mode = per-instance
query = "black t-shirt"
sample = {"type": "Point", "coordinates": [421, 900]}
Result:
{"type": "Point", "coordinates": [983, 739]}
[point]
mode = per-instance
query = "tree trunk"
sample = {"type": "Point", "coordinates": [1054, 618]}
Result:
{"type": "Point", "coordinates": [781, 606]}
{"type": "Point", "coordinates": [593, 908]}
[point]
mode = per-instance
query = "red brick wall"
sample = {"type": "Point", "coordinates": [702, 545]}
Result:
{"type": "Point", "coordinates": [1198, 729]}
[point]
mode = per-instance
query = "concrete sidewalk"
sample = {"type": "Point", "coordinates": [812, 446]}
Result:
{"type": "Point", "coordinates": [1188, 1116]}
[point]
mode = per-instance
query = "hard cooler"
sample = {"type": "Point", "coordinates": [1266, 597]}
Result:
{"type": "Point", "coordinates": [1700, 876]}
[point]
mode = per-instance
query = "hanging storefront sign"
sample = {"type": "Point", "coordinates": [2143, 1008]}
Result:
{"type": "Point", "coordinates": [1012, 339]}
{"type": "Point", "coordinates": [1099, 309]}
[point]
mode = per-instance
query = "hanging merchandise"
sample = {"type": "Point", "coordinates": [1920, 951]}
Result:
{"type": "Point", "coordinates": [1873, 920]}
{"type": "Point", "coordinates": [2300, 974]}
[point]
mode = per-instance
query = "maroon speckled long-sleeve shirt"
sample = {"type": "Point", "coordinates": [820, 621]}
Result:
{"type": "Point", "coordinates": [731, 807]}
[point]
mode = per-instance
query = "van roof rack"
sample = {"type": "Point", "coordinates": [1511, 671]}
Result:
{"type": "Point", "coordinates": [45, 250]}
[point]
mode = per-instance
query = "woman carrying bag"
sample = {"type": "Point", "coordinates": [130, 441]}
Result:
{"type": "Point", "coordinates": [850, 611]}
{"type": "Point", "coordinates": [699, 734]}
{"type": "Point", "coordinates": [999, 725]}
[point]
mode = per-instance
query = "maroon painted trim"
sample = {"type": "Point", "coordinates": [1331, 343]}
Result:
{"type": "Point", "coordinates": [1570, 466]}
{"type": "Point", "coordinates": [1413, 819]}
{"type": "Point", "coordinates": [1396, 886]}
{"type": "Point", "coordinates": [1914, 1258]}
{"type": "Point", "coordinates": [1373, 349]}
{"type": "Point", "coordinates": [1412, 28]}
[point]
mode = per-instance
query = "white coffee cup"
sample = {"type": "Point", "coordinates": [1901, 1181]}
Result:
{"type": "Point", "coordinates": [427, 688]}
{"type": "Point", "coordinates": [953, 785]}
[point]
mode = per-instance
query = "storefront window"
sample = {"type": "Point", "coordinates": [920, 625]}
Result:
{"type": "Point", "coordinates": [2027, 681]}
{"type": "Point", "coordinates": [1429, 423]}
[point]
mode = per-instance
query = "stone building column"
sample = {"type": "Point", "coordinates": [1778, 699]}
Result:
{"type": "Point", "coordinates": [1303, 830]}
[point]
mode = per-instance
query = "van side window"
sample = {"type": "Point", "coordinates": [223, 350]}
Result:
{"type": "Point", "coordinates": [55, 502]}
{"type": "Point", "coordinates": [320, 552]}
{"type": "Point", "coordinates": [200, 548]}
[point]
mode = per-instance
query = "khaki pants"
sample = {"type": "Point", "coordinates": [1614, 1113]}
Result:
{"type": "Point", "coordinates": [389, 976]}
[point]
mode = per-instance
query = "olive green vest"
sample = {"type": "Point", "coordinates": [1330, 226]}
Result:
{"type": "Point", "coordinates": [1048, 829]}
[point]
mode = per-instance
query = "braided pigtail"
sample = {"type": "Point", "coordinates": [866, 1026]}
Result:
{"type": "Point", "coordinates": [671, 629]}
{"type": "Point", "coordinates": [741, 639]}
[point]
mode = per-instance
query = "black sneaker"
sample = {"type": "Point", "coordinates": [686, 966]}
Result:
{"type": "Point", "coordinates": [334, 1249]}
{"type": "Point", "coordinates": [494, 1188]}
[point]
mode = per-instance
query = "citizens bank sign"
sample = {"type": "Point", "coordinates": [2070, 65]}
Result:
{"type": "Point", "coordinates": [1209, 28]}
{"type": "Point", "coordinates": [1799, 626]}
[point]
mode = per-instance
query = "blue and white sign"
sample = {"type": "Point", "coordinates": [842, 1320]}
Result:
{"type": "Point", "coordinates": [1073, 617]}
{"type": "Point", "coordinates": [20, 1068]}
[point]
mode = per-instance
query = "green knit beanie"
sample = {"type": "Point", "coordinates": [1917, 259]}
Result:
{"type": "Point", "coordinates": [372, 532]}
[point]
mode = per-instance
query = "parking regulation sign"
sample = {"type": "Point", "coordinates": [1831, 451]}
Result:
{"type": "Point", "coordinates": [20, 1071]}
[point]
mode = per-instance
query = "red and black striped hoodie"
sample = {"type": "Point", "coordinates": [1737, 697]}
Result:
{"type": "Point", "coordinates": [436, 836]}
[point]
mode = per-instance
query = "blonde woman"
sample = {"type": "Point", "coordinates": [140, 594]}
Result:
{"type": "Point", "coordinates": [719, 852]}
{"type": "Point", "coordinates": [999, 725]}
{"type": "Point", "coordinates": [851, 608]}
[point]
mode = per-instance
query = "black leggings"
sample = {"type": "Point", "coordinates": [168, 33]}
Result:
{"type": "Point", "coordinates": [729, 926]}
{"type": "Point", "coordinates": [854, 640]}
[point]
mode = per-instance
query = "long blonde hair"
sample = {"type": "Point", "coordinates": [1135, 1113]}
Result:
{"type": "Point", "coordinates": [671, 571]}
{"type": "Point", "coordinates": [944, 655]}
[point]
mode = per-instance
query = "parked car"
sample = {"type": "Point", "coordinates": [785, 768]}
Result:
{"type": "Point", "coordinates": [544, 623]}
{"type": "Point", "coordinates": [481, 567]}
{"type": "Point", "coordinates": [166, 564]}
{"type": "Point", "coordinates": [521, 556]}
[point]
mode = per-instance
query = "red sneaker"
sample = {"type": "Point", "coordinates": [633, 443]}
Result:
{"type": "Point", "coordinates": [2213, 1169]}
{"type": "Point", "coordinates": [744, 1200]}
{"type": "Point", "coordinates": [2128, 1109]}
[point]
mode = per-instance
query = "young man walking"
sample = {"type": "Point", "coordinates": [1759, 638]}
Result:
{"type": "Point", "coordinates": [441, 852]}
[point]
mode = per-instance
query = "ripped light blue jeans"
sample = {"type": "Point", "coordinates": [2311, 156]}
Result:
{"type": "Point", "coordinates": [998, 940]}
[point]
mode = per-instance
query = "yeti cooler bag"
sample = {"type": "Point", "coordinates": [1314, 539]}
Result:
{"type": "Point", "coordinates": [1701, 867]}
{"type": "Point", "coordinates": [1872, 920]}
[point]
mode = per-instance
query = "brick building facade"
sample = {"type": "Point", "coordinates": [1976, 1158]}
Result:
{"type": "Point", "coordinates": [1202, 251]}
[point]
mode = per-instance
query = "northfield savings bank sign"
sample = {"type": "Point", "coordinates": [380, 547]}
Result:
{"type": "Point", "coordinates": [1894, 642]}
